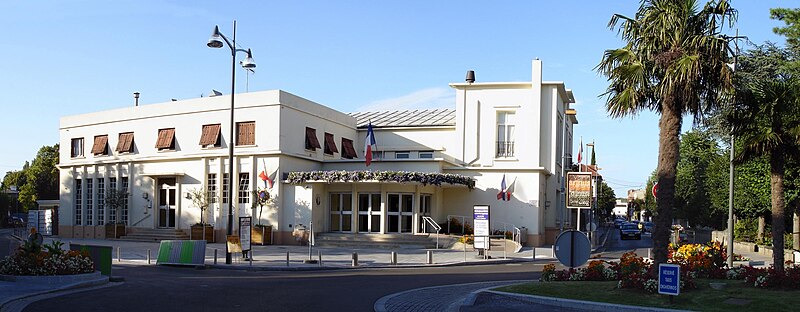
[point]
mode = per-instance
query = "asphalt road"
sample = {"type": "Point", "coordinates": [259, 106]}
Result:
{"type": "Point", "coordinates": [160, 288]}
{"type": "Point", "coordinates": [616, 247]}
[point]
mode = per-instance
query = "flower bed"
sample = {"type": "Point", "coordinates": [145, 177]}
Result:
{"type": "Point", "coordinates": [300, 177]}
{"type": "Point", "coordinates": [50, 259]}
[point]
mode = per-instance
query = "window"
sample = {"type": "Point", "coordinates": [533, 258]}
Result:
{"type": "Point", "coordinates": [166, 139]}
{"type": "Point", "coordinates": [89, 202]}
{"type": "Point", "coordinates": [311, 139]}
{"type": "Point", "coordinates": [426, 154]}
{"type": "Point", "coordinates": [244, 188]}
{"type": "Point", "coordinates": [101, 201]}
{"type": "Point", "coordinates": [347, 149]}
{"type": "Point", "coordinates": [210, 136]}
{"type": "Point", "coordinates": [225, 187]}
{"type": "Point", "coordinates": [78, 202]}
{"type": "Point", "coordinates": [330, 145]}
{"type": "Point", "coordinates": [112, 213]}
{"type": "Point", "coordinates": [124, 189]}
{"type": "Point", "coordinates": [505, 134]}
{"type": "Point", "coordinates": [402, 155]}
{"type": "Point", "coordinates": [212, 188]}
{"type": "Point", "coordinates": [125, 144]}
{"type": "Point", "coordinates": [246, 133]}
{"type": "Point", "coordinates": [100, 146]}
{"type": "Point", "coordinates": [77, 148]}
{"type": "Point", "coordinates": [559, 144]}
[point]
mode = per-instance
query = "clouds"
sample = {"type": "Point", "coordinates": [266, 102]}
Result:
{"type": "Point", "coordinates": [425, 98]}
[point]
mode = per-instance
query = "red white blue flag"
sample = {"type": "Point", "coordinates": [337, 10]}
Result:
{"type": "Point", "coordinates": [505, 193]}
{"type": "Point", "coordinates": [369, 144]}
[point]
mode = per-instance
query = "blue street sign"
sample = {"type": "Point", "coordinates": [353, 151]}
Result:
{"type": "Point", "coordinates": [669, 279]}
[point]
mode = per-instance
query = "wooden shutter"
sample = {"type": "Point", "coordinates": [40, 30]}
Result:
{"type": "Point", "coordinates": [165, 138]}
{"type": "Point", "coordinates": [330, 145]}
{"type": "Point", "coordinates": [125, 144]}
{"type": "Point", "coordinates": [210, 135]}
{"type": "Point", "coordinates": [100, 145]}
{"type": "Point", "coordinates": [347, 149]}
{"type": "Point", "coordinates": [246, 133]}
{"type": "Point", "coordinates": [311, 139]}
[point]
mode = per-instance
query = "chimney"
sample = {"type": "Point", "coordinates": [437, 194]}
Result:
{"type": "Point", "coordinates": [136, 99]}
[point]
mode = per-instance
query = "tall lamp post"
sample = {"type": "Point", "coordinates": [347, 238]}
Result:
{"type": "Point", "coordinates": [216, 41]}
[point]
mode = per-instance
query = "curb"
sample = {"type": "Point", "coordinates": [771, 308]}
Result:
{"type": "Point", "coordinates": [382, 266]}
{"type": "Point", "coordinates": [605, 240]}
{"type": "Point", "coordinates": [4, 302]}
{"type": "Point", "coordinates": [577, 304]}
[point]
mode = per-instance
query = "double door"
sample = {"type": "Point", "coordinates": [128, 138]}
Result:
{"type": "Point", "coordinates": [167, 206]}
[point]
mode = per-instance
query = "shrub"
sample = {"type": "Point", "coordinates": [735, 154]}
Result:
{"type": "Point", "coordinates": [30, 259]}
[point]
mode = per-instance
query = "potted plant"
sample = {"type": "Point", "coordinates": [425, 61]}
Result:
{"type": "Point", "coordinates": [115, 200]}
{"type": "Point", "coordinates": [202, 199]}
{"type": "Point", "coordinates": [261, 233]}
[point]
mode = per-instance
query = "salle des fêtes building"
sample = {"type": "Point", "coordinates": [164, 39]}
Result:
{"type": "Point", "coordinates": [161, 153]}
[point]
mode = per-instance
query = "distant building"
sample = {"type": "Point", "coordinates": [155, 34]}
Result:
{"type": "Point", "coordinates": [159, 153]}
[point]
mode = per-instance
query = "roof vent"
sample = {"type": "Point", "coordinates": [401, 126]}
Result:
{"type": "Point", "coordinates": [470, 76]}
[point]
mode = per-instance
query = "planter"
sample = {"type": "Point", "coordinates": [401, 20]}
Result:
{"type": "Point", "coordinates": [261, 235]}
{"type": "Point", "coordinates": [200, 232]}
{"type": "Point", "coordinates": [115, 230]}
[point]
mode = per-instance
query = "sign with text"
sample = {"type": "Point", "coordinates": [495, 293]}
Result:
{"type": "Point", "coordinates": [669, 279]}
{"type": "Point", "coordinates": [480, 222]}
{"type": "Point", "coordinates": [244, 232]}
{"type": "Point", "coordinates": [579, 190]}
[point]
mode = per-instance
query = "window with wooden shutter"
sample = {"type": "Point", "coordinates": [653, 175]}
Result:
{"type": "Point", "coordinates": [311, 139]}
{"type": "Point", "coordinates": [246, 133]}
{"type": "Point", "coordinates": [330, 145]}
{"type": "Point", "coordinates": [125, 144]}
{"type": "Point", "coordinates": [76, 148]}
{"type": "Point", "coordinates": [166, 139]}
{"type": "Point", "coordinates": [347, 149]}
{"type": "Point", "coordinates": [100, 146]}
{"type": "Point", "coordinates": [210, 136]}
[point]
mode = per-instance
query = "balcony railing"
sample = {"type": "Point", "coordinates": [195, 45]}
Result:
{"type": "Point", "coordinates": [505, 149]}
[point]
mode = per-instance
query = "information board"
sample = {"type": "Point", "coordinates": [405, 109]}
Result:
{"type": "Point", "coordinates": [579, 190]}
{"type": "Point", "coordinates": [669, 279]}
{"type": "Point", "coordinates": [480, 222]}
{"type": "Point", "coordinates": [244, 232]}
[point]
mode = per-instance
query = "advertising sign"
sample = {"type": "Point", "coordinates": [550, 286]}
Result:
{"type": "Point", "coordinates": [579, 190]}
{"type": "Point", "coordinates": [244, 232]}
{"type": "Point", "coordinates": [480, 221]}
{"type": "Point", "coordinates": [669, 279]}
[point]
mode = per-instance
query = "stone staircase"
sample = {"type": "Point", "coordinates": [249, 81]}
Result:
{"type": "Point", "coordinates": [382, 241]}
{"type": "Point", "coordinates": [154, 235]}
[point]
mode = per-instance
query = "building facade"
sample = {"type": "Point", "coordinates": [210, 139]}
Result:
{"type": "Point", "coordinates": [426, 163]}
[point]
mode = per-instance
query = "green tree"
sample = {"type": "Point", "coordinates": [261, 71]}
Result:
{"type": "Point", "coordinates": [41, 178]}
{"type": "Point", "coordinates": [606, 200]}
{"type": "Point", "coordinates": [674, 63]}
{"type": "Point", "coordinates": [692, 190]}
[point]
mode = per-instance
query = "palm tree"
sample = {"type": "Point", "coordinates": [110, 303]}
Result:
{"type": "Point", "coordinates": [767, 123]}
{"type": "Point", "coordinates": [673, 63]}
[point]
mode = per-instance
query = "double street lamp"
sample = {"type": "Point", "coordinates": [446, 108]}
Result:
{"type": "Point", "coordinates": [216, 41]}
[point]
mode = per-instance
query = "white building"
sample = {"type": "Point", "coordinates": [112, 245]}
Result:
{"type": "Point", "coordinates": [159, 153]}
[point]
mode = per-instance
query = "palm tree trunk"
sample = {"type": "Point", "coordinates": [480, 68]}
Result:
{"type": "Point", "coordinates": [668, 153]}
{"type": "Point", "coordinates": [776, 163]}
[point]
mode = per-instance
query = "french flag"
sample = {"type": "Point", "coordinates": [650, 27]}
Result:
{"type": "Point", "coordinates": [505, 193]}
{"type": "Point", "coordinates": [369, 144]}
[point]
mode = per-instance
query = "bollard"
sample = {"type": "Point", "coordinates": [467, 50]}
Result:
{"type": "Point", "coordinates": [430, 257]}
{"type": "Point", "coordinates": [119, 257]}
{"type": "Point", "coordinates": [465, 249]}
{"type": "Point", "coordinates": [534, 253]}
{"type": "Point", "coordinates": [215, 256]}
{"type": "Point", "coordinates": [648, 253]}
{"type": "Point", "coordinates": [394, 258]}
{"type": "Point", "coordinates": [355, 259]}
{"type": "Point", "coordinates": [148, 256]}
{"type": "Point", "coordinates": [287, 258]}
{"type": "Point", "coordinates": [319, 255]}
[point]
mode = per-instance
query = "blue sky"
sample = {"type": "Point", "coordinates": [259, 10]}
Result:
{"type": "Point", "coordinates": [72, 57]}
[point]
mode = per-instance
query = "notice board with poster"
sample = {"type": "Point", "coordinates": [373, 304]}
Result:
{"type": "Point", "coordinates": [480, 223]}
{"type": "Point", "coordinates": [579, 190]}
{"type": "Point", "coordinates": [244, 232]}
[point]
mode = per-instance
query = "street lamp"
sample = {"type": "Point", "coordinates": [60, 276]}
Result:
{"type": "Point", "coordinates": [247, 63]}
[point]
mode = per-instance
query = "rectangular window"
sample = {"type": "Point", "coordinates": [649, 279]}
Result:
{"type": "Point", "coordinates": [112, 212]}
{"type": "Point", "coordinates": [125, 144]}
{"type": "Point", "coordinates": [210, 136]}
{"type": "Point", "coordinates": [311, 139]}
{"type": "Point", "coordinates": [212, 187]}
{"type": "Point", "coordinates": [89, 202]}
{"type": "Point", "coordinates": [402, 155]}
{"type": "Point", "coordinates": [559, 144]}
{"type": "Point", "coordinates": [505, 134]}
{"type": "Point", "coordinates": [166, 139]}
{"type": "Point", "coordinates": [124, 188]}
{"type": "Point", "coordinates": [426, 154]}
{"type": "Point", "coordinates": [225, 187]}
{"type": "Point", "coordinates": [246, 133]}
{"type": "Point", "coordinates": [347, 149]}
{"type": "Point", "coordinates": [244, 188]}
{"type": "Point", "coordinates": [101, 201]}
{"type": "Point", "coordinates": [100, 146]}
{"type": "Point", "coordinates": [77, 148]}
{"type": "Point", "coordinates": [78, 202]}
{"type": "Point", "coordinates": [330, 145]}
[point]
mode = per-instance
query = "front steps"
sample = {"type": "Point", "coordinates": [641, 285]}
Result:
{"type": "Point", "coordinates": [382, 241]}
{"type": "Point", "coordinates": [154, 235]}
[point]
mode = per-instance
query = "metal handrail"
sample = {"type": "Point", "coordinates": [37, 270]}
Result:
{"type": "Point", "coordinates": [463, 222]}
{"type": "Point", "coordinates": [140, 221]}
{"type": "Point", "coordinates": [432, 223]}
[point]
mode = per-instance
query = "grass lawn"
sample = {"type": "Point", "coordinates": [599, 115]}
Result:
{"type": "Point", "coordinates": [704, 298]}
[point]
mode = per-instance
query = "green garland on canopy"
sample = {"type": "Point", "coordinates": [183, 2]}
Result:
{"type": "Point", "coordinates": [300, 177]}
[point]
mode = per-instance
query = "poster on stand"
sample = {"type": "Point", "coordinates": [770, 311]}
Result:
{"type": "Point", "coordinates": [480, 222]}
{"type": "Point", "coordinates": [579, 190]}
{"type": "Point", "coordinates": [244, 232]}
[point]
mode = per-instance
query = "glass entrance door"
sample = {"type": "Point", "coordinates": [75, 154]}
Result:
{"type": "Point", "coordinates": [341, 212]}
{"type": "Point", "coordinates": [369, 213]}
{"type": "Point", "coordinates": [400, 212]}
{"type": "Point", "coordinates": [424, 211]}
{"type": "Point", "coordinates": [166, 203]}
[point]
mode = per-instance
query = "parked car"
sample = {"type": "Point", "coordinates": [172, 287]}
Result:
{"type": "Point", "coordinates": [648, 227]}
{"type": "Point", "coordinates": [618, 222]}
{"type": "Point", "coordinates": [630, 230]}
{"type": "Point", "coordinates": [15, 221]}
